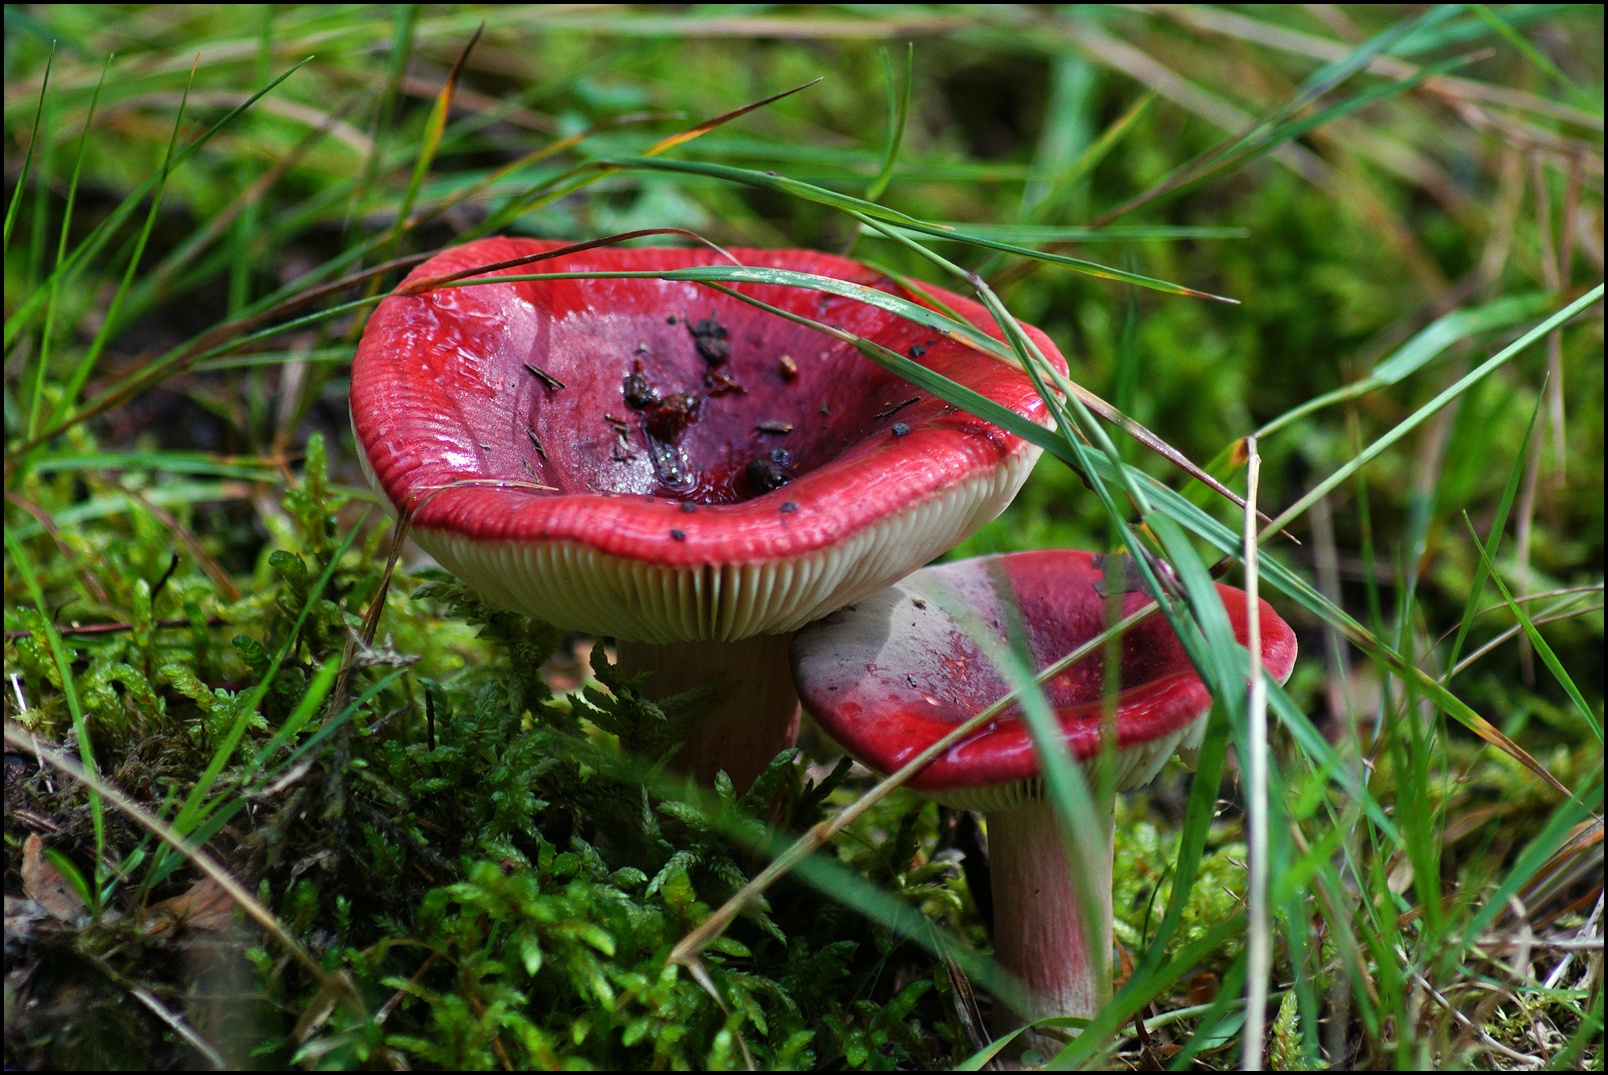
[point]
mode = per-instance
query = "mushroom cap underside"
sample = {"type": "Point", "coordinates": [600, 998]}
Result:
{"type": "Point", "coordinates": [657, 461]}
{"type": "Point", "coordinates": [892, 674]}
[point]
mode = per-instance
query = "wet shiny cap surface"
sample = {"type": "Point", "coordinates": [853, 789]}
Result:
{"type": "Point", "coordinates": [893, 673]}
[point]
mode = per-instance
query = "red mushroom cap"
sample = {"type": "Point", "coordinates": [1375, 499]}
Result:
{"type": "Point", "coordinates": [892, 674]}
{"type": "Point", "coordinates": [717, 471]}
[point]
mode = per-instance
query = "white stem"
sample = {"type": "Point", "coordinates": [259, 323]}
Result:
{"type": "Point", "coordinates": [1039, 932]}
{"type": "Point", "coordinates": [1259, 940]}
{"type": "Point", "coordinates": [755, 720]}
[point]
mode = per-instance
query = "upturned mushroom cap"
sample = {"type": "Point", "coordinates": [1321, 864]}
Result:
{"type": "Point", "coordinates": [893, 673]}
{"type": "Point", "coordinates": [716, 471]}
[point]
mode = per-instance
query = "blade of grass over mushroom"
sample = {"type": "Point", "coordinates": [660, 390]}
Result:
{"type": "Point", "coordinates": [956, 329]}
{"type": "Point", "coordinates": [1548, 657]}
{"type": "Point", "coordinates": [960, 331]}
{"type": "Point", "coordinates": [1494, 540]}
{"type": "Point", "coordinates": [1216, 637]}
{"type": "Point", "coordinates": [810, 192]}
{"type": "Point", "coordinates": [1462, 385]}
{"type": "Point", "coordinates": [102, 233]}
{"type": "Point", "coordinates": [951, 391]}
{"type": "Point", "coordinates": [1083, 820]}
{"type": "Point", "coordinates": [1259, 940]}
{"type": "Point", "coordinates": [18, 557]}
{"type": "Point", "coordinates": [472, 276]}
{"type": "Point", "coordinates": [28, 156]}
{"type": "Point", "coordinates": [1026, 355]}
{"type": "Point", "coordinates": [712, 927]}
{"type": "Point", "coordinates": [1423, 348]}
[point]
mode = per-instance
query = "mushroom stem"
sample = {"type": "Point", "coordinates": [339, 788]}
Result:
{"type": "Point", "coordinates": [1039, 933]}
{"type": "Point", "coordinates": [754, 720]}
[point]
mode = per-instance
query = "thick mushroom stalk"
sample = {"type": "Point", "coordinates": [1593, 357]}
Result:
{"type": "Point", "coordinates": [894, 673]}
{"type": "Point", "coordinates": [1039, 932]}
{"type": "Point", "coordinates": [669, 466]}
{"type": "Point", "coordinates": [756, 717]}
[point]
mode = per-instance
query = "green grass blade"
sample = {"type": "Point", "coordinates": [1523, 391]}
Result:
{"type": "Point", "coordinates": [64, 667]}
{"type": "Point", "coordinates": [27, 159]}
{"type": "Point", "coordinates": [1091, 157]}
{"type": "Point", "coordinates": [1264, 138]}
{"type": "Point", "coordinates": [1462, 385]}
{"type": "Point", "coordinates": [781, 184]}
{"type": "Point", "coordinates": [1548, 657]}
{"type": "Point", "coordinates": [86, 365]}
{"type": "Point", "coordinates": [1535, 56]}
{"type": "Point", "coordinates": [1083, 816]}
{"type": "Point", "coordinates": [98, 238]}
{"type": "Point", "coordinates": [1535, 855]}
{"type": "Point", "coordinates": [1139, 991]}
{"type": "Point", "coordinates": [247, 707]}
{"type": "Point", "coordinates": [57, 277]}
{"type": "Point", "coordinates": [1293, 586]}
{"type": "Point", "coordinates": [586, 174]}
{"type": "Point", "coordinates": [898, 110]}
{"type": "Point", "coordinates": [1494, 540]}
{"type": "Point", "coordinates": [1424, 347]}
{"type": "Point", "coordinates": [434, 127]}
{"type": "Point", "coordinates": [166, 462]}
{"type": "Point", "coordinates": [405, 26]}
{"type": "Point", "coordinates": [317, 691]}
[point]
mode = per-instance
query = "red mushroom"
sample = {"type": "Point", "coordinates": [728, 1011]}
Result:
{"type": "Point", "coordinates": [894, 673]}
{"type": "Point", "coordinates": [716, 476]}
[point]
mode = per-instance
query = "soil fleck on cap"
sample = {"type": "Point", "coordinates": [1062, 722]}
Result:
{"type": "Point", "coordinates": [709, 336]}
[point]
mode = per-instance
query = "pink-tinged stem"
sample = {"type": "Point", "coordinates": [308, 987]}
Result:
{"type": "Point", "coordinates": [1038, 930]}
{"type": "Point", "coordinates": [758, 716]}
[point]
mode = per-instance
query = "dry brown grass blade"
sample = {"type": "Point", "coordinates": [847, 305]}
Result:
{"type": "Point", "coordinates": [1221, 21]}
{"type": "Point", "coordinates": [214, 570]}
{"type": "Point", "coordinates": [710, 124]}
{"type": "Point", "coordinates": [1585, 841]}
{"type": "Point", "coordinates": [429, 282]}
{"type": "Point", "coordinates": [254, 193]}
{"type": "Point", "coordinates": [86, 573]}
{"type": "Point", "coordinates": [550, 150]}
{"type": "Point", "coordinates": [334, 985]}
